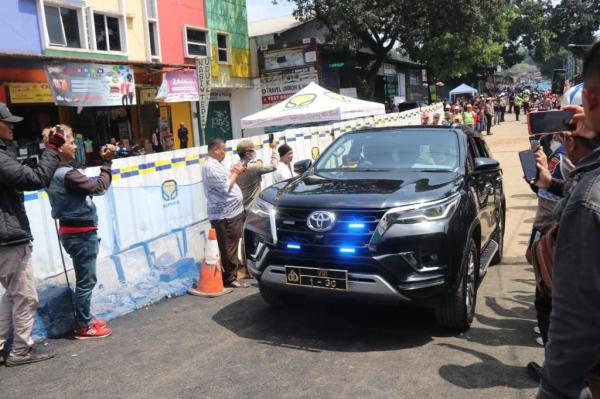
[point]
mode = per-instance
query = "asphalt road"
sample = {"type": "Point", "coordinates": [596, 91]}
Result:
{"type": "Point", "coordinates": [236, 346]}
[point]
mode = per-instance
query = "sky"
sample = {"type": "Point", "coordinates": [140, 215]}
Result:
{"type": "Point", "coordinates": [264, 9]}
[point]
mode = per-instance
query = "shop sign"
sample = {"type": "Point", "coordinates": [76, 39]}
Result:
{"type": "Point", "coordinates": [148, 95]}
{"type": "Point", "coordinates": [279, 86]}
{"type": "Point", "coordinates": [389, 69]}
{"type": "Point", "coordinates": [23, 93]}
{"type": "Point", "coordinates": [204, 77]}
{"type": "Point", "coordinates": [91, 85]}
{"type": "Point", "coordinates": [288, 58]}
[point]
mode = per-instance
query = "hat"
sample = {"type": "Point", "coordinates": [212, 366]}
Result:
{"type": "Point", "coordinates": [6, 116]}
{"type": "Point", "coordinates": [245, 146]}
{"type": "Point", "coordinates": [284, 149]}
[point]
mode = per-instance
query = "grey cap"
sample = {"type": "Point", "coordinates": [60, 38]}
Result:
{"type": "Point", "coordinates": [6, 116]}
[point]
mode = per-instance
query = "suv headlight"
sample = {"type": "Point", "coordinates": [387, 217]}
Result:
{"type": "Point", "coordinates": [261, 217]}
{"type": "Point", "coordinates": [417, 213]}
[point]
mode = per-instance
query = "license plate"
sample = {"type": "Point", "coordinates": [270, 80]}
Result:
{"type": "Point", "coordinates": [319, 278]}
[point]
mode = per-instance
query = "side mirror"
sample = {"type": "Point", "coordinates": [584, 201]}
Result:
{"type": "Point", "coordinates": [302, 166]}
{"type": "Point", "coordinates": [483, 164]}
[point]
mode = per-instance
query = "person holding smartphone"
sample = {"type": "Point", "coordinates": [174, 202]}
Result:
{"type": "Point", "coordinates": [572, 355]}
{"type": "Point", "coordinates": [251, 180]}
{"type": "Point", "coordinates": [70, 193]}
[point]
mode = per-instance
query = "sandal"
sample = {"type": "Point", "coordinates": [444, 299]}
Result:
{"type": "Point", "coordinates": [237, 284]}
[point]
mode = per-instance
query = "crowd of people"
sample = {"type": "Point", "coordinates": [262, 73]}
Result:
{"type": "Point", "coordinates": [482, 112]}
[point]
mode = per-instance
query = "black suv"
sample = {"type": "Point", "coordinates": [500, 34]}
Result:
{"type": "Point", "coordinates": [407, 215]}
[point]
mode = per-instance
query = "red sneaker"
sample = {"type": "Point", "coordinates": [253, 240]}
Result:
{"type": "Point", "coordinates": [98, 323]}
{"type": "Point", "coordinates": [92, 332]}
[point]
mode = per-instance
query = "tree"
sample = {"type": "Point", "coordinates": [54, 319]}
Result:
{"type": "Point", "coordinates": [452, 38]}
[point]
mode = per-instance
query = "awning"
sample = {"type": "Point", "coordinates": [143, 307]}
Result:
{"type": "Point", "coordinates": [313, 104]}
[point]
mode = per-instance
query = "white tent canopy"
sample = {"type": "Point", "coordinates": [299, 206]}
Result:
{"type": "Point", "coordinates": [463, 89]}
{"type": "Point", "coordinates": [312, 104]}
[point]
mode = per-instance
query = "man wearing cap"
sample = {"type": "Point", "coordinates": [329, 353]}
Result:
{"type": "Point", "coordinates": [250, 181]}
{"type": "Point", "coordinates": [20, 301]}
{"type": "Point", "coordinates": [284, 169]}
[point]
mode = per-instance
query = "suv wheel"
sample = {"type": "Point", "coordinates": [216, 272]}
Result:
{"type": "Point", "coordinates": [278, 299]}
{"type": "Point", "coordinates": [499, 237]}
{"type": "Point", "coordinates": [458, 309]}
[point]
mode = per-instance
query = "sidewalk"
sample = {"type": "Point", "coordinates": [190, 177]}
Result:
{"type": "Point", "coordinates": [235, 346]}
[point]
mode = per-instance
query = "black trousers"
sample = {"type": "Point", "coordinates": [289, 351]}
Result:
{"type": "Point", "coordinates": [229, 232]}
{"type": "Point", "coordinates": [543, 307]}
{"type": "Point", "coordinates": [488, 119]}
{"type": "Point", "coordinates": [517, 112]}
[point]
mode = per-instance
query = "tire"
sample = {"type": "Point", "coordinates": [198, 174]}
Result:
{"type": "Point", "coordinates": [278, 299]}
{"type": "Point", "coordinates": [458, 309]}
{"type": "Point", "coordinates": [499, 237]}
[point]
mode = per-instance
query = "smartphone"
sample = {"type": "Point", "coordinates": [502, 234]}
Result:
{"type": "Point", "coordinates": [530, 170]}
{"type": "Point", "coordinates": [271, 138]}
{"type": "Point", "coordinates": [550, 121]}
{"type": "Point", "coordinates": [558, 81]}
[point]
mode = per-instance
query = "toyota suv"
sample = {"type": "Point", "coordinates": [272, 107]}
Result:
{"type": "Point", "coordinates": [409, 215]}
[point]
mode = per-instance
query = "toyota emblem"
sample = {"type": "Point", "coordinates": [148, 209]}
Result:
{"type": "Point", "coordinates": [321, 221]}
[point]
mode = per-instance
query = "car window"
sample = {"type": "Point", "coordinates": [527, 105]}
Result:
{"type": "Point", "coordinates": [387, 150]}
{"type": "Point", "coordinates": [474, 148]}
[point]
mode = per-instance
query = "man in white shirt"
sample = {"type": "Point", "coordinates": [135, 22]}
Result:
{"type": "Point", "coordinates": [284, 169]}
{"type": "Point", "coordinates": [225, 208]}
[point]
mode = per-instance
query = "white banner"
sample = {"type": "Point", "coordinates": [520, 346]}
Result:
{"type": "Point", "coordinates": [204, 72]}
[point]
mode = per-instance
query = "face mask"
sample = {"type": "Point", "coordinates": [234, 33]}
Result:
{"type": "Point", "coordinates": [555, 145]}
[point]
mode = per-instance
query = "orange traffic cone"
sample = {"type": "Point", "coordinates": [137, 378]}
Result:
{"type": "Point", "coordinates": [210, 283]}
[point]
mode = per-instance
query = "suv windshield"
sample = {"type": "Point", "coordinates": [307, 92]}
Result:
{"type": "Point", "coordinates": [402, 149]}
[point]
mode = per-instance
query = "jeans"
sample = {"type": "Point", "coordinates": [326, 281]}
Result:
{"type": "Point", "coordinates": [497, 118]}
{"type": "Point", "coordinates": [83, 249]}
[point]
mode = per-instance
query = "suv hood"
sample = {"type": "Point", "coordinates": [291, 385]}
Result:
{"type": "Point", "coordinates": [366, 190]}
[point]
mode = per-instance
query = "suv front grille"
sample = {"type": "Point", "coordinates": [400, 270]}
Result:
{"type": "Point", "coordinates": [292, 227]}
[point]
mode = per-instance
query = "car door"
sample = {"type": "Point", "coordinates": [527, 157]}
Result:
{"type": "Point", "coordinates": [480, 184]}
{"type": "Point", "coordinates": [488, 184]}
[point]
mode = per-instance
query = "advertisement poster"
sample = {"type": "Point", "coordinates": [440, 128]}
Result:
{"type": "Point", "coordinates": [204, 71]}
{"type": "Point", "coordinates": [279, 86]}
{"type": "Point", "coordinates": [178, 86]}
{"type": "Point", "coordinates": [91, 85]}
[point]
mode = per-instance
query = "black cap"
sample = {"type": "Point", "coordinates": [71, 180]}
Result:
{"type": "Point", "coordinates": [6, 116]}
{"type": "Point", "coordinates": [284, 149]}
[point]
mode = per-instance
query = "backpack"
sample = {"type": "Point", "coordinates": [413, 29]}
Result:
{"type": "Point", "coordinates": [541, 257]}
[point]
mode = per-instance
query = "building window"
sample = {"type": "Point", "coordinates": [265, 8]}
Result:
{"type": "Point", "coordinates": [196, 42]}
{"type": "Point", "coordinates": [223, 48]}
{"type": "Point", "coordinates": [153, 37]}
{"type": "Point", "coordinates": [62, 25]}
{"type": "Point", "coordinates": [108, 33]}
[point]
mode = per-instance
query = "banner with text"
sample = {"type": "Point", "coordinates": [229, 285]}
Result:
{"type": "Point", "coordinates": [91, 85]}
{"type": "Point", "coordinates": [203, 70]}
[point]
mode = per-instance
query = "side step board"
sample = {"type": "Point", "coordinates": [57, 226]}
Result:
{"type": "Point", "coordinates": [486, 257]}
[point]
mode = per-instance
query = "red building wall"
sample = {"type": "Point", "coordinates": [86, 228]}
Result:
{"type": "Point", "coordinates": [172, 16]}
